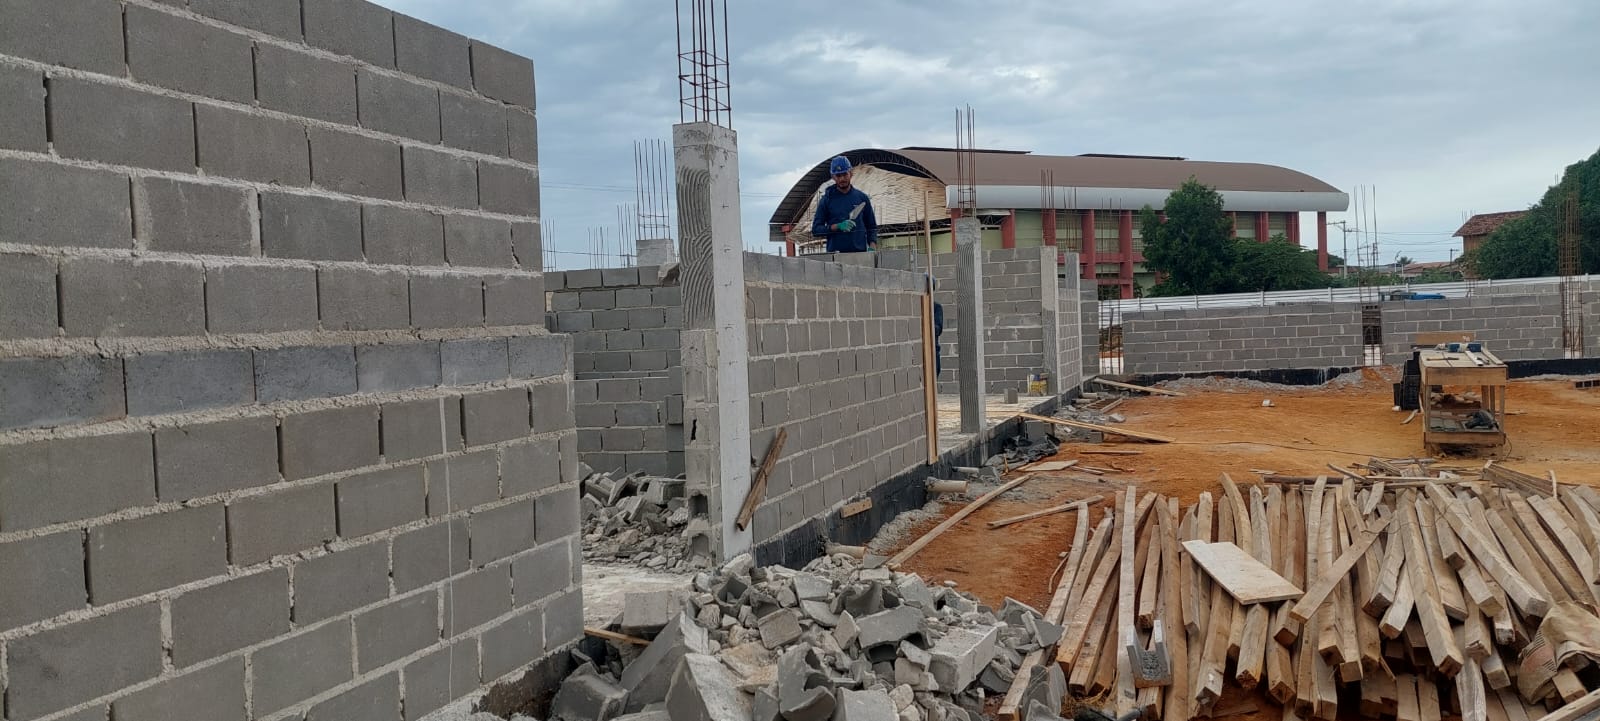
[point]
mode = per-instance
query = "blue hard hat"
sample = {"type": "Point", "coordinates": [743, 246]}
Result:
{"type": "Point", "coordinates": [839, 165]}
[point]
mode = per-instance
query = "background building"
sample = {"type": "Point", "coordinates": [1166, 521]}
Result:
{"type": "Point", "coordinates": [1477, 228]}
{"type": "Point", "coordinates": [1026, 200]}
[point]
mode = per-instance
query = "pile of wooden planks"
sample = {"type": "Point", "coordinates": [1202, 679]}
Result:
{"type": "Point", "coordinates": [1339, 598]}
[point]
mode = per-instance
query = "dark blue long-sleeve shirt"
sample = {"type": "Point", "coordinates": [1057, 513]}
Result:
{"type": "Point", "coordinates": [835, 207]}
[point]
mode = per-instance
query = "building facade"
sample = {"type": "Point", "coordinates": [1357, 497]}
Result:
{"type": "Point", "coordinates": [1085, 204]}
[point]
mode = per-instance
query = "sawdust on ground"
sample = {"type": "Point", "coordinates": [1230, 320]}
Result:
{"type": "Point", "coordinates": [1222, 430]}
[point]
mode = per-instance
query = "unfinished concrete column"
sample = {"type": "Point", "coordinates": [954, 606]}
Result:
{"type": "Point", "coordinates": [716, 382]}
{"type": "Point", "coordinates": [1049, 320]}
{"type": "Point", "coordinates": [969, 313]}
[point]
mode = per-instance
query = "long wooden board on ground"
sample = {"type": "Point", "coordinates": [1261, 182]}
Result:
{"type": "Point", "coordinates": [1141, 389]}
{"type": "Point", "coordinates": [916, 546]}
{"type": "Point", "coordinates": [1049, 466]}
{"type": "Point", "coordinates": [1091, 500]}
{"type": "Point", "coordinates": [1103, 429]}
{"type": "Point", "coordinates": [1240, 574]}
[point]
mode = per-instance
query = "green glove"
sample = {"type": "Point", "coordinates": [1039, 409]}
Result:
{"type": "Point", "coordinates": [845, 225]}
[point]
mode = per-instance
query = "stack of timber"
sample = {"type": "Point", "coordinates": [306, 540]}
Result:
{"type": "Point", "coordinates": [1396, 595]}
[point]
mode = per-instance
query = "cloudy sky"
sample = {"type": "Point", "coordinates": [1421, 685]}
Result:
{"type": "Point", "coordinates": [1442, 107]}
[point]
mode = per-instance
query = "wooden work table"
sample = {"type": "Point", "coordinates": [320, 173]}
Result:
{"type": "Point", "coordinates": [1444, 422]}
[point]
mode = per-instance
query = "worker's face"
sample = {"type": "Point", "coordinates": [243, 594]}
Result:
{"type": "Point", "coordinates": [842, 180]}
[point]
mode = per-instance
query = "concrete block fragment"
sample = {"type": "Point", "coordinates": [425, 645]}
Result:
{"type": "Point", "coordinates": [299, 667]}
{"type": "Point", "coordinates": [960, 655]}
{"type": "Point", "coordinates": [588, 696]}
{"type": "Point", "coordinates": [474, 360]}
{"type": "Point", "coordinates": [46, 578]}
{"type": "Point", "coordinates": [558, 515]}
{"type": "Point", "coordinates": [304, 372]}
{"type": "Point", "coordinates": [645, 613]}
{"type": "Point", "coordinates": [44, 392]}
{"type": "Point", "coordinates": [375, 700]}
{"type": "Point", "coordinates": [310, 227]}
{"type": "Point", "coordinates": [95, 121]}
{"type": "Point", "coordinates": [502, 75]}
{"type": "Point", "coordinates": [355, 28]}
{"type": "Point", "coordinates": [82, 34]}
{"type": "Point", "coordinates": [274, 17]}
{"type": "Point", "coordinates": [301, 84]}
{"type": "Point", "coordinates": [865, 706]}
{"type": "Point", "coordinates": [501, 532]}
{"type": "Point", "coordinates": [779, 628]}
{"type": "Point", "coordinates": [69, 479]}
{"type": "Point", "coordinates": [214, 692]}
{"type": "Point", "coordinates": [429, 554]}
{"type": "Point", "coordinates": [329, 441]}
{"type": "Point", "coordinates": [102, 296]}
{"type": "Point", "coordinates": [440, 677]}
{"type": "Point", "coordinates": [891, 626]}
{"type": "Point", "coordinates": [37, 686]}
{"type": "Point", "coordinates": [478, 242]}
{"type": "Point", "coordinates": [508, 189]}
{"type": "Point", "coordinates": [355, 164]}
{"type": "Point", "coordinates": [429, 51]}
{"type": "Point", "coordinates": [397, 106]}
{"type": "Point", "coordinates": [27, 292]}
{"type": "Point", "coordinates": [235, 144]}
{"type": "Point", "coordinates": [402, 236]}
{"type": "Point", "coordinates": [702, 689]}
{"type": "Point", "coordinates": [649, 677]}
{"type": "Point", "coordinates": [463, 482]}
{"type": "Point", "coordinates": [474, 124]}
{"type": "Point", "coordinates": [22, 121]}
{"type": "Point", "coordinates": [382, 499]}
{"type": "Point", "coordinates": [261, 527]}
{"type": "Point", "coordinates": [396, 630]}
{"type": "Point", "coordinates": [347, 578]}
{"type": "Point", "coordinates": [513, 300]}
{"type": "Point", "coordinates": [260, 299]}
{"type": "Point", "coordinates": [438, 177]}
{"type": "Point", "coordinates": [136, 556]}
{"type": "Point", "coordinates": [446, 301]}
{"type": "Point", "coordinates": [477, 598]}
{"type": "Point", "coordinates": [214, 62]}
{"type": "Point", "coordinates": [414, 429]}
{"type": "Point", "coordinates": [397, 366]}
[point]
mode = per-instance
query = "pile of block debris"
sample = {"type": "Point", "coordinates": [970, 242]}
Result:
{"type": "Point", "coordinates": [840, 639]}
{"type": "Point", "coordinates": [637, 520]}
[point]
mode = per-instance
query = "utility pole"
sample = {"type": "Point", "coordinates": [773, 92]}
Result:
{"type": "Point", "coordinates": [1344, 265]}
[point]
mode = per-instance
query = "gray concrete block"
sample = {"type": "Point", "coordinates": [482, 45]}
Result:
{"type": "Point", "coordinates": [552, 407]}
{"type": "Point", "coordinates": [477, 598]}
{"type": "Point", "coordinates": [402, 236]}
{"type": "Point", "coordinates": [474, 360]}
{"type": "Point", "coordinates": [524, 129]}
{"type": "Point", "coordinates": [459, 483]}
{"type": "Point", "coordinates": [355, 28]}
{"type": "Point", "coordinates": [446, 301]}
{"type": "Point", "coordinates": [478, 242]}
{"type": "Point", "coordinates": [513, 300]}
{"type": "Point", "coordinates": [188, 380]}
{"type": "Point", "coordinates": [106, 297]}
{"type": "Point", "coordinates": [310, 227]}
{"type": "Point", "coordinates": [240, 612]}
{"type": "Point", "coordinates": [501, 532]}
{"type": "Point", "coordinates": [299, 667]}
{"type": "Point", "coordinates": [502, 75]}
{"type": "Point", "coordinates": [28, 295]}
{"type": "Point", "coordinates": [37, 685]}
{"type": "Point", "coordinates": [375, 700]}
{"type": "Point", "coordinates": [94, 121]}
{"type": "Point", "coordinates": [302, 84]}
{"type": "Point", "coordinates": [529, 467]}
{"type": "Point", "coordinates": [495, 416]}
{"type": "Point", "coordinates": [440, 677]}
{"type": "Point", "coordinates": [244, 145]}
{"type": "Point", "coordinates": [557, 515]}
{"type": "Point", "coordinates": [473, 124]}
{"type": "Point", "coordinates": [22, 121]}
{"type": "Point", "coordinates": [428, 51]}
{"type": "Point", "coordinates": [50, 204]}
{"type": "Point", "coordinates": [528, 246]}
{"type": "Point", "coordinates": [539, 574]}
{"type": "Point", "coordinates": [213, 62]}
{"type": "Point", "coordinates": [329, 441]}
{"type": "Point", "coordinates": [280, 18]}
{"type": "Point", "coordinates": [397, 629]}
{"type": "Point", "coordinates": [82, 34]}
{"type": "Point", "coordinates": [137, 556]}
{"type": "Point", "coordinates": [514, 643]}
{"type": "Point", "coordinates": [397, 106]}
{"type": "Point", "coordinates": [397, 366]}
{"type": "Point", "coordinates": [508, 189]}
{"type": "Point", "coordinates": [596, 416]}
{"type": "Point", "coordinates": [438, 177]}
{"type": "Point", "coordinates": [412, 429]}
{"type": "Point", "coordinates": [261, 527]}
{"type": "Point", "coordinates": [345, 579]}
{"type": "Point", "coordinates": [355, 164]}
{"type": "Point", "coordinates": [69, 479]}
{"type": "Point", "coordinates": [362, 299]}
{"type": "Point", "coordinates": [45, 392]}
{"type": "Point", "coordinates": [45, 578]}
{"type": "Point", "coordinates": [192, 217]}
{"type": "Point", "coordinates": [215, 692]}
{"type": "Point", "coordinates": [195, 461]}
{"type": "Point", "coordinates": [304, 372]}
{"type": "Point", "coordinates": [380, 500]}
{"type": "Point", "coordinates": [430, 554]}
{"type": "Point", "coordinates": [585, 278]}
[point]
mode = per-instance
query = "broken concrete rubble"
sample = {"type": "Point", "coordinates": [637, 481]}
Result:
{"type": "Point", "coordinates": [638, 520]}
{"type": "Point", "coordinates": [647, 679]}
{"type": "Point", "coordinates": [704, 690]}
{"type": "Point", "coordinates": [588, 696]}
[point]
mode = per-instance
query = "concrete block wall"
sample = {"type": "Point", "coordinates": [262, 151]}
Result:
{"type": "Point", "coordinates": [1069, 325]}
{"type": "Point", "coordinates": [281, 430]}
{"type": "Point", "coordinates": [1311, 335]}
{"type": "Point", "coordinates": [1089, 316]}
{"type": "Point", "coordinates": [1513, 327]}
{"type": "Point", "coordinates": [626, 326]}
{"type": "Point", "coordinates": [836, 359]}
{"type": "Point", "coordinates": [1014, 316]}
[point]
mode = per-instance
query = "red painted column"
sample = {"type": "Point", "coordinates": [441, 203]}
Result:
{"type": "Point", "coordinates": [1262, 227]}
{"type": "Point", "coordinates": [1322, 240]}
{"type": "Point", "coordinates": [1048, 220]}
{"type": "Point", "coordinates": [1087, 255]}
{"type": "Point", "coordinates": [1125, 245]}
{"type": "Point", "coordinates": [788, 247]}
{"type": "Point", "coordinates": [1008, 230]}
{"type": "Point", "coordinates": [1294, 228]}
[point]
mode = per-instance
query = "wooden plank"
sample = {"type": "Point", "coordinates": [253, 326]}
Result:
{"type": "Point", "coordinates": [1010, 706]}
{"type": "Point", "coordinates": [1063, 508]}
{"type": "Point", "coordinates": [614, 636]}
{"type": "Point", "coordinates": [1551, 551]}
{"type": "Point", "coordinates": [1127, 433]}
{"type": "Point", "coordinates": [1388, 575]}
{"type": "Point", "coordinates": [1325, 692]}
{"type": "Point", "coordinates": [1149, 576]}
{"type": "Point", "coordinates": [1083, 613]}
{"type": "Point", "coordinates": [1127, 602]}
{"type": "Point", "coordinates": [1499, 567]}
{"type": "Point", "coordinates": [1339, 612]}
{"type": "Point", "coordinates": [1578, 710]}
{"type": "Point", "coordinates": [1049, 466]}
{"type": "Point", "coordinates": [1587, 522]}
{"type": "Point", "coordinates": [1177, 702]}
{"type": "Point", "coordinates": [1406, 689]}
{"type": "Point", "coordinates": [1326, 580]}
{"type": "Point", "coordinates": [1242, 576]}
{"type": "Point", "coordinates": [1281, 667]}
{"type": "Point", "coordinates": [1087, 659]}
{"type": "Point", "coordinates": [1568, 687]}
{"type": "Point", "coordinates": [1091, 559]}
{"type": "Point", "coordinates": [1395, 617]}
{"type": "Point", "coordinates": [1428, 699]}
{"type": "Point", "coordinates": [1106, 452]}
{"type": "Point", "coordinates": [1369, 640]}
{"type": "Point", "coordinates": [1471, 695]}
{"type": "Point", "coordinates": [851, 509]}
{"type": "Point", "coordinates": [1374, 498]}
{"type": "Point", "coordinates": [1445, 581]}
{"type": "Point", "coordinates": [1214, 658]}
{"type": "Point", "coordinates": [758, 487]}
{"type": "Point", "coordinates": [1132, 387]}
{"type": "Point", "coordinates": [900, 558]}
{"type": "Point", "coordinates": [1561, 526]}
{"type": "Point", "coordinates": [1503, 522]}
{"type": "Point", "coordinates": [1252, 657]}
{"type": "Point", "coordinates": [930, 386]}
{"type": "Point", "coordinates": [1442, 648]}
{"type": "Point", "coordinates": [1515, 709]}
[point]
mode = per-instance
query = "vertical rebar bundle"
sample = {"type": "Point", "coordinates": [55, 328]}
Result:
{"type": "Point", "coordinates": [966, 164]}
{"type": "Point", "coordinates": [1568, 265]}
{"type": "Point", "coordinates": [703, 83]}
{"type": "Point", "coordinates": [652, 168]}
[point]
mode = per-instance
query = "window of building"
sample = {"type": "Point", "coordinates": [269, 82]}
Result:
{"type": "Point", "coordinates": [1246, 226]}
{"type": "Point", "coordinates": [1069, 230]}
{"type": "Point", "coordinates": [1108, 232]}
{"type": "Point", "coordinates": [1278, 224]}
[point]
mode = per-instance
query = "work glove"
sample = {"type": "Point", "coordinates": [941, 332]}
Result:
{"type": "Point", "coordinates": [845, 226]}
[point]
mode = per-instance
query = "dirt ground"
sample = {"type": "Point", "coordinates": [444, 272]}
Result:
{"type": "Point", "coordinates": [1226, 430]}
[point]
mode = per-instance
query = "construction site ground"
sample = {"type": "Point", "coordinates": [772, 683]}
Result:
{"type": "Point", "coordinates": [1221, 426]}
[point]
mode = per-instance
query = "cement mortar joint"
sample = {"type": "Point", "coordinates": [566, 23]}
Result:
{"type": "Point", "coordinates": [115, 347]}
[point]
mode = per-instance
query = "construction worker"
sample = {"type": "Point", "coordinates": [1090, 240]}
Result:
{"type": "Point", "coordinates": [844, 213]}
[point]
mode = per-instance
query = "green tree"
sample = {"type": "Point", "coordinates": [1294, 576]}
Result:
{"type": "Point", "coordinates": [1275, 265]}
{"type": "Point", "coordinates": [1526, 247]}
{"type": "Point", "coordinates": [1403, 260]}
{"type": "Point", "coordinates": [1193, 247]}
